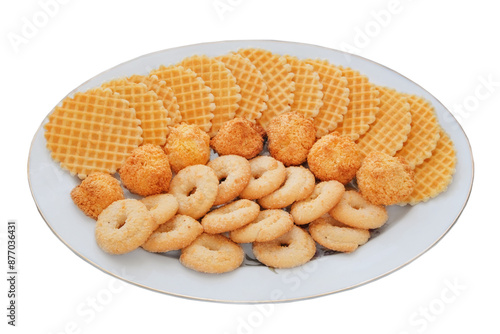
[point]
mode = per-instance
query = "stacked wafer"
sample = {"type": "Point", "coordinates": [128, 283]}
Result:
{"type": "Point", "coordinates": [257, 85]}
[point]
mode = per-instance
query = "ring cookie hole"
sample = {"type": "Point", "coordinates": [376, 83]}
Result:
{"type": "Point", "coordinates": [192, 191]}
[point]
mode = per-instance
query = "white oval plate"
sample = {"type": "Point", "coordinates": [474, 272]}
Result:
{"type": "Point", "coordinates": [410, 231]}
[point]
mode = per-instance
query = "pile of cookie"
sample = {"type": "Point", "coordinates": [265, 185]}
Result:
{"type": "Point", "coordinates": [306, 152]}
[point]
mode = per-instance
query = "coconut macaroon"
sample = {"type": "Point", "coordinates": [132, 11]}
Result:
{"type": "Point", "coordinates": [334, 157]}
{"type": "Point", "coordinates": [146, 171]}
{"type": "Point", "coordinates": [291, 135]}
{"type": "Point", "coordinates": [96, 193]}
{"type": "Point", "coordinates": [385, 180]}
{"type": "Point", "coordinates": [187, 145]}
{"type": "Point", "coordinates": [240, 137]}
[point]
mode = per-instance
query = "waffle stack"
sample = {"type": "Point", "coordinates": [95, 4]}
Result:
{"type": "Point", "coordinates": [390, 129]}
{"type": "Point", "coordinates": [278, 78]}
{"type": "Point", "coordinates": [193, 96]}
{"type": "Point", "coordinates": [164, 93]}
{"type": "Point", "coordinates": [307, 95]}
{"type": "Point", "coordinates": [433, 176]}
{"type": "Point", "coordinates": [93, 131]}
{"type": "Point", "coordinates": [148, 108]}
{"type": "Point", "coordinates": [222, 84]}
{"type": "Point", "coordinates": [335, 96]}
{"type": "Point", "coordinates": [253, 89]}
{"type": "Point", "coordinates": [363, 104]}
{"type": "Point", "coordinates": [424, 133]}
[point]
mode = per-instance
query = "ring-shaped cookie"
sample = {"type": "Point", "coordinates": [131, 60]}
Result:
{"type": "Point", "coordinates": [212, 253]}
{"type": "Point", "coordinates": [292, 249]}
{"type": "Point", "coordinates": [230, 216]}
{"type": "Point", "coordinates": [123, 226]}
{"type": "Point", "coordinates": [299, 184]}
{"type": "Point", "coordinates": [177, 233]}
{"type": "Point", "coordinates": [324, 197]}
{"type": "Point", "coordinates": [336, 236]}
{"type": "Point", "coordinates": [268, 174]}
{"type": "Point", "coordinates": [269, 225]}
{"type": "Point", "coordinates": [162, 206]}
{"type": "Point", "coordinates": [235, 171]}
{"type": "Point", "coordinates": [195, 188]}
{"type": "Point", "coordinates": [354, 210]}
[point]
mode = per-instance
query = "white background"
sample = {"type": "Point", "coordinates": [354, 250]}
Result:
{"type": "Point", "coordinates": [449, 47]}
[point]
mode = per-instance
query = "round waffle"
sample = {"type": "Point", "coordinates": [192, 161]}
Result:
{"type": "Point", "coordinates": [424, 133]}
{"type": "Point", "coordinates": [433, 176]}
{"type": "Point", "coordinates": [222, 84]}
{"type": "Point", "coordinates": [193, 96]}
{"type": "Point", "coordinates": [307, 95]}
{"type": "Point", "coordinates": [94, 131]}
{"type": "Point", "coordinates": [148, 108]}
{"type": "Point", "coordinates": [165, 94]}
{"type": "Point", "coordinates": [390, 130]}
{"type": "Point", "coordinates": [278, 78]}
{"type": "Point", "coordinates": [363, 104]}
{"type": "Point", "coordinates": [335, 96]}
{"type": "Point", "coordinates": [253, 89]}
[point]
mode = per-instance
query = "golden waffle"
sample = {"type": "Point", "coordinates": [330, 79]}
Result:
{"type": "Point", "coordinates": [94, 131]}
{"type": "Point", "coordinates": [193, 96]}
{"type": "Point", "coordinates": [433, 176]}
{"type": "Point", "coordinates": [335, 96]}
{"type": "Point", "coordinates": [165, 94]}
{"type": "Point", "coordinates": [363, 104]}
{"type": "Point", "coordinates": [307, 95]}
{"type": "Point", "coordinates": [390, 130]}
{"type": "Point", "coordinates": [424, 133]}
{"type": "Point", "coordinates": [222, 84]}
{"type": "Point", "coordinates": [148, 108]}
{"type": "Point", "coordinates": [252, 86]}
{"type": "Point", "coordinates": [278, 78]}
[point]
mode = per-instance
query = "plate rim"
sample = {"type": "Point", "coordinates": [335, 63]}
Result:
{"type": "Point", "coordinates": [286, 300]}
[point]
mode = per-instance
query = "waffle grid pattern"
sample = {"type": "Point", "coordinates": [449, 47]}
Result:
{"type": "Point", "coordinates": [148, 109]}
{"type": "Point", "coordinates": [93, 131]}
{"type": "Point", "coordinates": [335, 97]}
{"type": "Point", "coordinates": [193, 96]}
{"type": "Point", "coordinates": [164, 93]}
{"type": "Point", "coordinates": [252, 86]}
{"type": "Point", "coordinates": [308, 93]}
{"type": "Point", "coordinates": [278, 78]}
{"type": "Point", "coordinates": [424, 134]}
{"type": "Point", "coordinates": [222, 84]}
{"type": "Point", "coordinates": [433, 176]}
{"type": "Point", "coordinates": [363, 105]}
{"type": "Point", "coordinates": [391, 127]}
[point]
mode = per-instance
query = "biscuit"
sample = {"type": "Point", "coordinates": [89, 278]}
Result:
{"type": "Point", "coordinates": [196, 102]}
{"type": "Point", "coordinates": [253, 89]}
{"type": "Point", "coordinates": [292, 249]}
{"type": "Point", "coordinates": [278, 78]}
{"type": "Point", "coordinates": [93, 131]}
{"type": "Point", "coordinates": [222, 85]}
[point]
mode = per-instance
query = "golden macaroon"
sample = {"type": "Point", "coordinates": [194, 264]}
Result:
{"type": "Point", "coordinates": [96, 193]}
{"type": "Point", "coordinates": [240, 137]}
{"type": "Point", "coordinates": [187, 145]}
{"type": "Point", "coordinates": [385, 180]}
{"type": "Point", "coordinates": [334, 157]}
{"type": "Point", "coordinates": [290, 137]}
{"type": "Point", "coordinates": [146, 171]}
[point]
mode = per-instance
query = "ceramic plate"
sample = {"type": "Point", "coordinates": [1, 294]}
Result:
{"type": "Point", "coordinates": [410, 231]}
